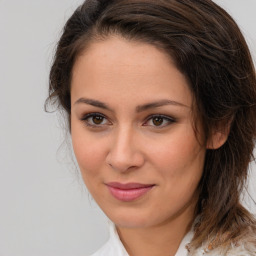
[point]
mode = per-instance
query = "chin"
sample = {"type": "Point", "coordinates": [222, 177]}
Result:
{"type": "Point", "coordinates": [131, 223]}
{"type": "Point", "coordinates": [131, 220]}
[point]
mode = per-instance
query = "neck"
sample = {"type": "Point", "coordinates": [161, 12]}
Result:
{"type": "Point", "coordinates": [158, 240]}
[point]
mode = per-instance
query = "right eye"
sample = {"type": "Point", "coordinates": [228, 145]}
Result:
{"type": "Point", "coordinates": [95, 120]}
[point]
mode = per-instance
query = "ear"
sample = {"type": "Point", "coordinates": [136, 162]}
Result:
{"type": "Point", "coordinates": [218, 136]}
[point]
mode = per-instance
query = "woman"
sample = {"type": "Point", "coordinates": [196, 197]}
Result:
{"type": "Point", "coordinates": [161, 102]}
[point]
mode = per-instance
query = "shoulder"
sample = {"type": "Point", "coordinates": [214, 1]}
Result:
{"type": "Point", "coordinates": [110, 248]}
{"type": "Point", "coordinates": [105, 250]}
{"type": "Point", "coordinates": [244, 246]}
{"type": "Point", "coordinates": [113, 247]}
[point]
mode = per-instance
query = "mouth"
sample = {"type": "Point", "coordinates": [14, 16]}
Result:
{"type": "Point", "coordinates": [129, 191]}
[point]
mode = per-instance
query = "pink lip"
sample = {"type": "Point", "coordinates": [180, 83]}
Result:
{"type": "Point", "coordinates": [129, 191]}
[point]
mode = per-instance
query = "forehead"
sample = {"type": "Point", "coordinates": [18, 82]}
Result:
{"type": "Point", "coordinates": [118, 68]}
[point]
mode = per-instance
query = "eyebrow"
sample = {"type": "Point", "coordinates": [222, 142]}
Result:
{"type": "Point", "coordinates": [94, 103]}
{"type": "Point", "coordinates": [159, 103]}
{"type": "Point", "coordinates": [139, 108]}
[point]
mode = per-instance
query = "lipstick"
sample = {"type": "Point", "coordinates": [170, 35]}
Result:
{"type": "Point", "coordinates": [129, 191]}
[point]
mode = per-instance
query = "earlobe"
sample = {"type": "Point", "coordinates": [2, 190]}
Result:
{"type": "Point", "coordinates": [217, 140]}
{"type": "Point", "coordinates": [218, 137]}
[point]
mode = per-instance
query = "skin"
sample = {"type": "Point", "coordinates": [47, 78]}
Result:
{"type": "Point", "coordinates": [126, 145]}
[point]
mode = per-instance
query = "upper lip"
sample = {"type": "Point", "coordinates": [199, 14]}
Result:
{"type": "Point", "coordinates": [126, 186]}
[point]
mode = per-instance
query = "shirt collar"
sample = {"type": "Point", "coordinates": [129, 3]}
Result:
{"type": "Point", "coordinates": [119, 248]}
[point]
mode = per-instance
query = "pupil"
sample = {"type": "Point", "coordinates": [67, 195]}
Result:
{"type": "Point", "coordinates": [97, 119]}
{"type": "Point", "coordinates": [157, 121]}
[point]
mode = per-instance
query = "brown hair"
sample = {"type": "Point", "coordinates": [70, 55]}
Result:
{"type": "Point", "coordinates": [209, 49]}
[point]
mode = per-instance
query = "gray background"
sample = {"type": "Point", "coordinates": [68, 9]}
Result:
{"type": "Point", "coordinates": [44, 207]}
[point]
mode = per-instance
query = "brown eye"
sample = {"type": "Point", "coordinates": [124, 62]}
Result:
{"type": "Point", "coordinates": [157, 121]}
{"type": "Point", "coordinates": [97, 119]}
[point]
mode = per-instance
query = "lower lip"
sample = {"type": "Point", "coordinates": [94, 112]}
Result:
{"type": "Point", "coordinates": [128, 195]}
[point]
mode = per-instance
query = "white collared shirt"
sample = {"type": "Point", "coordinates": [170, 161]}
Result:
{"type": "Point", "coordinates": [114, 246]}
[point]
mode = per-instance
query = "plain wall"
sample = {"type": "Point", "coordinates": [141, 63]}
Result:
{"type": "Point", "coordinates": [44, 208]}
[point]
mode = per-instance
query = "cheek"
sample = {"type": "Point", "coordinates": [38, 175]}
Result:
{"type": "Point", "coordinates": [89, 152]}
{"type": "Point", "coordinates": [179, 151]}
{"type": "Point", "coordinates": [179, 160]}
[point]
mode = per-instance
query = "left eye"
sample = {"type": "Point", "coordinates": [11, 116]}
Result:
{"type": "Point", "coordinates": [159, 121]}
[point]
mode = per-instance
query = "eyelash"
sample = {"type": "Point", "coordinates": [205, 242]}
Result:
{"type": "Point", "coordinates": [91, 115]}
{"type": "Point", "coordinates": [165, 118]}
{"type": "Point", "coordinates": [168, 119]}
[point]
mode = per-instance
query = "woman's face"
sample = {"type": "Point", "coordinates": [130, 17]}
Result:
{"type": "Point", "coordinates": [132, 133]}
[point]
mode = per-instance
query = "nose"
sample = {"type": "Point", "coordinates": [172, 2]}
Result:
{"type": "Point", "coordinates": [125, 153]}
